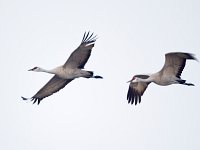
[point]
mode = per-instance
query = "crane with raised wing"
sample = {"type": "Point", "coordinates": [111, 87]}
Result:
{"type": "Point", "coordinates": [64, 74]}
{"type": "Point", "coordinates": [169, 74]}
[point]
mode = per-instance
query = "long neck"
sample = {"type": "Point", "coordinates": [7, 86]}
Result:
{"type": "Point", "coordinates": [145, 80]}
{"type": "Point", "coordinates": [151, 78]}
{"type": "Point", "coordinates": [52, 71]}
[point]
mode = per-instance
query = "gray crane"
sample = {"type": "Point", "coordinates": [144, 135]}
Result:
{"type": "Point", "coordinates": [169, 74]}
{"type": "Point", "coordinates": [69, 71]}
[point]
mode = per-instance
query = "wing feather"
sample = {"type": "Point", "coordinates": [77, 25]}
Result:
{"type": "Point", "coordinates": [53, 86]}
{"type": "Point", "coordinates": [175, 63]}
{"type": "Point", "coordinates": [80, 56]}
{"type": "Point", "coordinates": [135, 92]}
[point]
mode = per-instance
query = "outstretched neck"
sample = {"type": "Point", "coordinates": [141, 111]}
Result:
{"type": "Point", "coordinates": [145, 80]}
{"type": "Point", "coordinates": [149, 79]}
{"type": "Point", "coordinates": [52, 71]}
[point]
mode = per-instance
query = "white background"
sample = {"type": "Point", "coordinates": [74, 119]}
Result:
{"type": "Point", "coordinates": [90, 114]}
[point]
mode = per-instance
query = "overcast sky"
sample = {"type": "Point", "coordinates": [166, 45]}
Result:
{"type": "Point", "coordinates": [90, 114]}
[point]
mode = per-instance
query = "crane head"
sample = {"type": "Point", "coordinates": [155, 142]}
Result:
{"type": "Point", "coordinates": [132, 79]}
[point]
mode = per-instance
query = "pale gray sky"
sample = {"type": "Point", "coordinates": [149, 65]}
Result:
{"type": "Point", "coordinates": [93, 114]}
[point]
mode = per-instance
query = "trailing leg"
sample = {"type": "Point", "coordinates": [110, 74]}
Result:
{"type": "Point", "coordinates": [183, 82]}
{"type": "Point", "coordinates": [91, 75]}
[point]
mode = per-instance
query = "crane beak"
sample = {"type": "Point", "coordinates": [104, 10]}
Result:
{"type": "Point", "coordinates": [30, 70]}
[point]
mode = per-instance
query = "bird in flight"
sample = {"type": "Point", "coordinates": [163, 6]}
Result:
{"type": "Point", "coordinates": [169, 74]}
{"type": "Point", "coordinates": [64, 74]}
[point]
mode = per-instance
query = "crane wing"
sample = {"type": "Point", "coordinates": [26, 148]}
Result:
{"type": "Point", "coordinates": [136, 90]}
{"type": "Point", "coordinates": [80, 56]}
{"type": "Point", "coordinates": [54, 85]}
{"type": "Point", "coordinates": [175, 63]}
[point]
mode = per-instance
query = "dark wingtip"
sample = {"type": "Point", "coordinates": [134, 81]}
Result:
{"type": "Point", "coordinates": [89, 38]}
{"type": "Point", "coordinates": [35, 100]}
{"type": "Point", "coordinates": [194, 57]}
{"type": "Point", "coordinates": [38, 102]}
